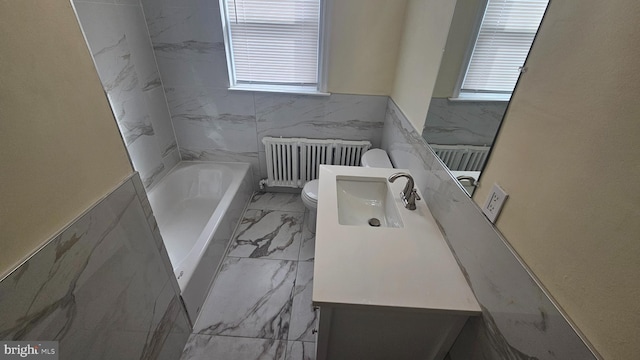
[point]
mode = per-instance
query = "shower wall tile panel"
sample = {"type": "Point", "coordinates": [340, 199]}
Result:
{"type": "Point", "coordinates": [188, 42]}
{"type": "Point", "coordinates": [518, 320]}
{"type": "Point", "coordinates": [463, 122]}
{"type": "Point", "coordinates": [214, 123]}
{"type": "Point", "coordinates": [100, 288]}
{"type": "Point", "coordinates": [339, 116]}
{"type": "Point", "coordinates": [214, 119]}
{"type": "Point", "coordinates": [119, 41]}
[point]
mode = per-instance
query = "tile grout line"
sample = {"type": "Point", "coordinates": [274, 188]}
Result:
{"type": "Point", "coordinates": [293, 289]}
{"type": "Point", "coordinates": [225, 257]}
{"type": "Point", "coordinates": [304, 222]}
{"type": "Point", "coordinates": [286, 341]}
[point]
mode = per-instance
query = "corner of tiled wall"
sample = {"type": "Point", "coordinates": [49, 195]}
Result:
{"type": "Point", "coordinates": [217, 124]}
{"type": "Point", "coordinates": [118, 38]}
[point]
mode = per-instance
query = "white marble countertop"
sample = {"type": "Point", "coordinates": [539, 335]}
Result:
{"type": "Point", "coordinates": [408, 268]}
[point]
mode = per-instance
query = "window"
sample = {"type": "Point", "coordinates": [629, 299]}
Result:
{"type": "Point", "coordinates": [273, 45]}
{"type": "Point", "coordinates": [505, 36]}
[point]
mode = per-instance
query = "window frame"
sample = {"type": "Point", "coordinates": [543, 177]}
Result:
{"type": "Point", "coordinates": [323, 38]}
{"type": "Point", "coordinates": [458, 94]}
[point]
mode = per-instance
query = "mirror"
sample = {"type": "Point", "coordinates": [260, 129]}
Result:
{"type": "Point", "coordinates": [461, 126]}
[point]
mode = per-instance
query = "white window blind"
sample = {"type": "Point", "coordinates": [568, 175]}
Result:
{"type": "Point", "coordinates": [273, 42]}
{"type": "Point", "coordinates": [504, 39]}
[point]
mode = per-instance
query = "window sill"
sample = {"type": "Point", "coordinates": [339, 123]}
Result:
{"type": "Point", "coordinates": [297, 90]}
{"type": "Point", "coordinates": [481, 97]}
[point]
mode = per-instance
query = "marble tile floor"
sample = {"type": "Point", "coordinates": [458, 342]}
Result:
{"type": "Point", "coordinates": [259, 306]}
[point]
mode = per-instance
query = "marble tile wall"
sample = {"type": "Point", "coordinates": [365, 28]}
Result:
{"type": "Point", "coordinates": [463, 122]}
{"type": "Point", "coordinates": [101, 287]}
{"type": "Point", "coordinates": [518, 320]}
{"type": "Point", "coordinates": [118, 38]}
{"type": "Point", "coordinates": [213, 123]}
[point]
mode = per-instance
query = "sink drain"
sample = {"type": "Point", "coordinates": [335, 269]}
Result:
{"type": "Point", "coordinates": [374, 222]}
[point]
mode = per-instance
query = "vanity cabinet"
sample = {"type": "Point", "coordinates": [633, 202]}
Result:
{"type": "Point", "coordinates": [384, 292]}
{"type": "Point", "coordinates": [363, 332]}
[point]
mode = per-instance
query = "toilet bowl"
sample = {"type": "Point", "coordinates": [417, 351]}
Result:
{"type": "Point", "coordinates": [309, 197]}
{"type": "Point", "coordinates": [376, 158]}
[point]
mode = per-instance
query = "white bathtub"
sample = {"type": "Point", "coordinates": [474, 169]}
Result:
{"type": "Point", "coordinates": [197, 206]}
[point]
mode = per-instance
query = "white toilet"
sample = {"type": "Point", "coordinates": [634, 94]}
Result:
{"type": "Point", "coordinates": [376, 158]}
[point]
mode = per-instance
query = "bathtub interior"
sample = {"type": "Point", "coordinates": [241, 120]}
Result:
{"type": "Point", "coordinates": [198, 206]}
{"type": "Point", "coordinates": [184, 205]}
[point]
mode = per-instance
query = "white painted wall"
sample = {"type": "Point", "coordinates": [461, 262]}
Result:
{"type": "Point", "coordinates": [460, 37]}
{"type": "Point", "coordinates": [364, 43]}
{"type": "Point", "coordinates": [424, 36]}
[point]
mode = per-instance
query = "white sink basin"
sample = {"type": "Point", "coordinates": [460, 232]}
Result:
{"type": "Point", "coordinates": [366, 201]}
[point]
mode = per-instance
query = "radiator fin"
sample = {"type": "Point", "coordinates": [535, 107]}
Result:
{"type": "Point", "coordinates": [292, 162]}
{"type": "Point", "coordinates": [462, 157]}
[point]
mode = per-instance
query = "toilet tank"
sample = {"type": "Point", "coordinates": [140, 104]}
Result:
{"type": "Point", "coordinates": [376, 158]}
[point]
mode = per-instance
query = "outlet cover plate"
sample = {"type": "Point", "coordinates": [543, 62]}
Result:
{"type": "Point", "coordinates": [494, 203]}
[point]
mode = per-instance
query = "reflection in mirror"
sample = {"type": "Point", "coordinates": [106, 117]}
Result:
{"type": "Point", "coordinates": [486, 47]}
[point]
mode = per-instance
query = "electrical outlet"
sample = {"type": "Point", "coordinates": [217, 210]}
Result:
{"type": "Point", "coordinates": [494, 203]}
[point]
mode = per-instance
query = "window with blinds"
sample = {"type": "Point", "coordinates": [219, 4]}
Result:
{"type": "Point", "coordinates": [273, 45]}
{"type": "Point", "coordinates": [504, 39]}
